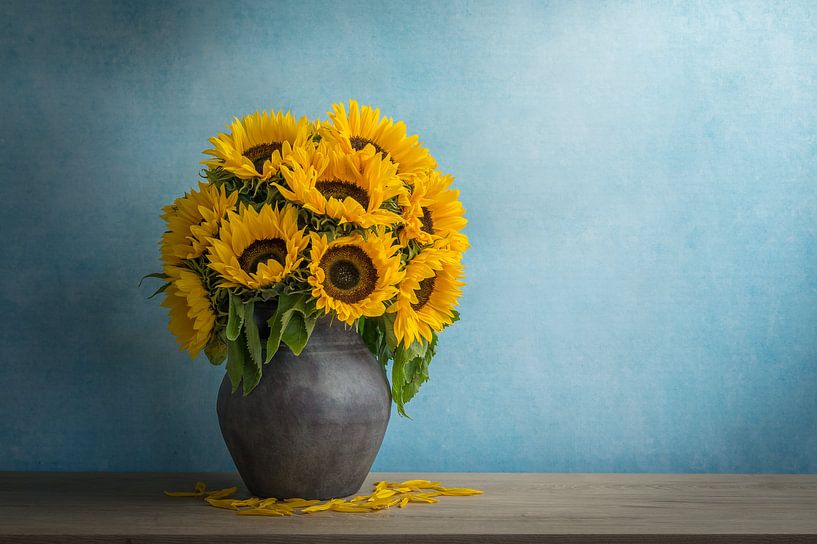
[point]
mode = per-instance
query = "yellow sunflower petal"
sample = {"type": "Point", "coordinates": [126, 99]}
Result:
{"type": "Point", "coordinates": [353, 275]}
{"type": "Point", "coordinates": [191, 314]}
{"type": "Point", "coordinates": [349, 188]}
{"type": "Point", "coordinates": [258, 144]}
{"type": "Point", "coordinates": [432, 210]}
{"type": "Point", "coordinates": [363, 129]}
{"type": "Point", "coordinates": [192, 220]}
{"type": "Point", "coordinates": [263, 512]}
{"type": "Point", "coordinates": [427, 295]}
{"type": "Point", "coordinates": [257, 249]}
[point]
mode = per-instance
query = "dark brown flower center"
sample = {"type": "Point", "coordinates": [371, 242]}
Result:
{"type": "Point", "coordinates": [423, 292]}
{"type": "Point", "coordinates": [261, 251]}
{"type": "Point", "coordinates": [358, 143]}
{"type": "Point", "coordinates": [260, 153]}
{"type": "Point", "coordinates": [339, 189]}
{"type": "Point", "coordinates": [427, 221]}
{"type": "Point", "coordinates": [350, 273]}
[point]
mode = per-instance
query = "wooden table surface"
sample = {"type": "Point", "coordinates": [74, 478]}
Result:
{"type": "Point", "coordinates": [130, 507]}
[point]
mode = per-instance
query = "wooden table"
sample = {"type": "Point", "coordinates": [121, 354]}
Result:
{"type": "Point", "coordinates": [570, 508]}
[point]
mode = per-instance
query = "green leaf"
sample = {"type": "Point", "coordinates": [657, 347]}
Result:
{"type": "Point", "coordinates": [369, 331]}
{"type": "Point", "coordinates": [278, 324]}
{"type": "Point", "coordinates": [309, 325]}
{"type": "Point", "coordinates": [300, 303]}
{"type": "Point", "coordinates": [410, 371]}
{"type": "Point", "coordinates": [157, 275]}
{"type": "Point", "coordinates": [252, 372]}
{"type": "Point", "coordinates": [415, 374]}
{"type": "Point", "coordinates": [373, 332]}
{"type": "Point", "coordinates": [235, 362]}
{"type": "Point", "coordinates": [274, 338]}
{"type": "Point", "coordinates": [295, 335]}
{"type": "Point", "coordinates": [251, 334]}
{"type": "Point", "coordinates": [293, 323]}
{"type": "Point", "coordinates": [159, 290]}
{"type": "Point", "coordinates": [216, 352]}
{"type": "Point", "coordinates": [235, 318]}
{"type": "Point", "coordinates": [415, 350]}
{"type": "Point", "coordinates": [287, 302]}
{"type": "Point", "coordinates": [397, 379]}
{"type": "Point", "coordinates": [388, 329]}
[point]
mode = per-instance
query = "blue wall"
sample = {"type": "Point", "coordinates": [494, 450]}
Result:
{"type": "Point", "coordinates": [641, 184]}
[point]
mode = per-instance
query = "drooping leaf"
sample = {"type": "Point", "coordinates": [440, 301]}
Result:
{"type": "Point", "coordinates": [309, 325]}
{"type": "Point", "coordinates": [252, 335]}
{"type": "Point", "coordinates": [235, 362]}
{"type": "Point", "coordinates": [373, 332]}
{"type": "Point", "coordinates": [388, 329]}
{"type": "Point", "coordinates": [305, 306]}
{"type": "Point", "coordinates": [278, 324]}
{"type": "Point", "coordinates": [216, 351]}
{"type": "Point", "coordinates": [410, 371]}
{"type": "Point", "coordinates": [415, 374]}
{"type": "Point", "coordinates": [157, 275]}
{"type": "Point", "coordinates": [235, 318]}
{"type": "Point", "coordinates": [414, 350]}
{"type": "Point", "coordinates": [295, 335]}
{"type": "Point", "coordinates": [274, 338]}
{"type": "Point", "coordinates": [293, 323]}
{"type": "Point", "coordinates": [252, 372]}
{"type": "Point", "coordinates": [370, 333]}
{"type": "Point", "coordinates": [397, 379]}
{"type": "Point", "coordinates": [159, 290]}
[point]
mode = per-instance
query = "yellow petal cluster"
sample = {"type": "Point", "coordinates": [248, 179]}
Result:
{"type": "Point", "coordinates": [362, 128]}
{"type": "Point", "coordinates": [258, 144]}
{"type": "Point", "coordinates": [348, 187]}
{"type": "Point", "coordinates": [432, 210]}
{"type": "Point", "coordinates": [192, 220]}
{"type": "Point", "coordinates": [354, 275]}
{"type": "Point", "coordinates": [191, 313]}
{"type": "Point", "coordinates": [384, 495]}
{"type": "Point", "coordinates": [257, 249]}
{"type": "Point", "coordinates": [427, 295]}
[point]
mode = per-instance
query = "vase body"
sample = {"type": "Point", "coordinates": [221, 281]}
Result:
{"type": "Point", "coordinates": [314, 424]}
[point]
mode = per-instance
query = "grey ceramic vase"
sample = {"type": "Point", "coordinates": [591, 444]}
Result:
{"type": "Point", "coordinates": [314, 424]}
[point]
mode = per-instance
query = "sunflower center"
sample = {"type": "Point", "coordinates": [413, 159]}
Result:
{"type": "Point", "coordinates": [260, 153]}
{"type": "Point", "coordinates": [339, 189]}
{"type": "Point", "coordinates": [261, 251]}
{"type": "Point", "coordinates": [344, 275]}
{"type": "Point", "coordinates": [350, 273]}
{"type": "Point", "coordinates": [427, 221]}
{"type": "Point", "coordinates": [423, 292]}
{"type": "Point", "coordinates": [359, 142]}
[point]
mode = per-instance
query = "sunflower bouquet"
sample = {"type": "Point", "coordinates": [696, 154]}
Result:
{"type": "Point", "coordinates": [346, 217]}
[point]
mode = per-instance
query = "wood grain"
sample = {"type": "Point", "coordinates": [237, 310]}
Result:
{"type": "Point", "coordinates": [516, 508]}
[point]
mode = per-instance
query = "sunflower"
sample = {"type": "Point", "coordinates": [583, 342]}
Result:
{"type": "Point", "coordinates": [258, 144]}
{"type": "Point", "coordinates": [432, 211]}
{"type": "Point", "coordinates": [192, 220]}
{"type": "Point", "coordinates": [353, 275]}
{"type": "Point", "coordinates": [349, 187]}
{"type": "Point", "coordinates": [191, 313]}
{"type": "Point", "coordinates": [427, 295]}
{"type": "Point", "coordinates": [363, 129]}
{"type": "Point", "coordinates": [257, 249]}
{"type": "Point", "coordinates": [457, 242]}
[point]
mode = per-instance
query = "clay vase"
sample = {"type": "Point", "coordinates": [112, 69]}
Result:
{"type": "Point", "coordinates": [314, 424]}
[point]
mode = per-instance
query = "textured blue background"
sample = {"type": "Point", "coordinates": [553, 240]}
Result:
{"type": "Point", "coordinates": [641, 183]}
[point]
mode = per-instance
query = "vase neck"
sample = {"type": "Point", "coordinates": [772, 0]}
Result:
{"type": "Point", "coordinates": [328, 331]}
{"type": "Point", "coordinates": [331, 331]}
